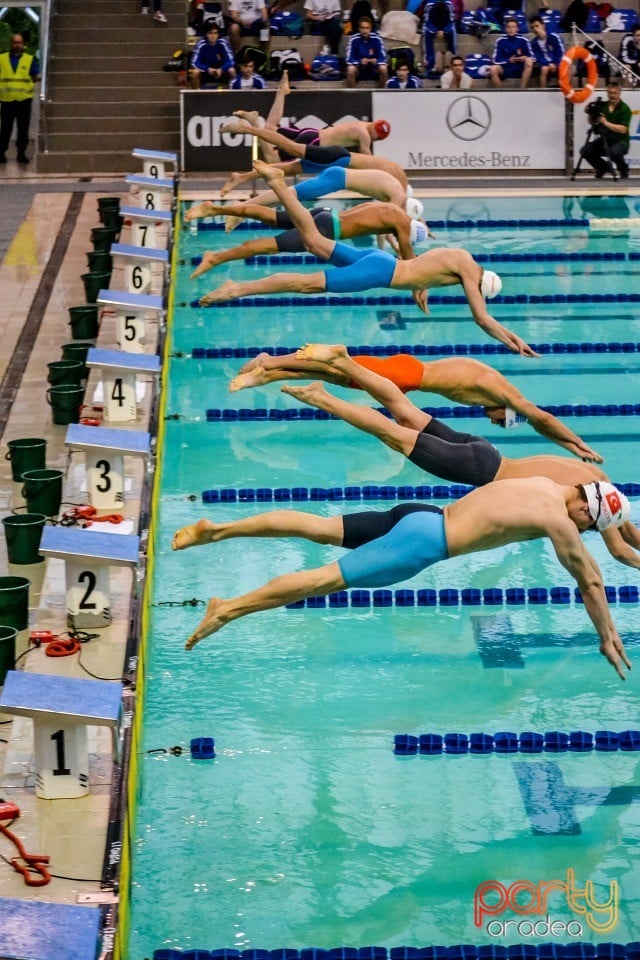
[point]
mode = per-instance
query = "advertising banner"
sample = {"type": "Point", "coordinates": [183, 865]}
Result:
{"type": "Point", "coordinates": [582, 126]}
{"type": "Point", "coordinates": [492, 131]}
{"type": "Point", "coordinates": [203, 112]}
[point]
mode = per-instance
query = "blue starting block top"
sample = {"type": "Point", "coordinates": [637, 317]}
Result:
{"type": "Point", "coordinates": [40, 930]}
{"type": "Point", "coordinates": [141, 213]}
{"type": "Point", "coordinates": [76, 544]}
{"type": "Point", "coordinates": [130, 301]}
{"type": "Point", "coordinates": [132, 443]}
{"type": "Point", "coordinates": [163, 183]}
{"type": "Point", "coordinates": [155, 155]}
{"type": "Point", "coordinates": [155, 254]}
{"type": "Point", "coordinates": [121, 360]}
{"type": "Point", "coordinates": [96, 702]}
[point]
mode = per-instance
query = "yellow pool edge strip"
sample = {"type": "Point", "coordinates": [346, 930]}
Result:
{"type": "Point", "coordinates": [133, 780]}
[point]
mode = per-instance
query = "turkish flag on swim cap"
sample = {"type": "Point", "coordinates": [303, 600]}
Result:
{"type": "Point", "coordinates": [382, 128]}
{"type": "Point", "coordinates": [613, 500]}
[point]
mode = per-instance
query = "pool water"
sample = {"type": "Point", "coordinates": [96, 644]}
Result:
{"type": "Point", "coordinates": [306, 829]}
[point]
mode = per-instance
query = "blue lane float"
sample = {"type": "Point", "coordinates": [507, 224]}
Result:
{"type": "Point", "coordinates": [421, 350]}
{"type": "Point", "coordinates": [276, 259]}
{"type": "Point", "coordinates": [552, 741]}
{"type": "Point", "coordinates": [305, 414]}
{"type": "Point", "coordinates": [217, 226]}
{"type": "Point", "coordinates": [406, 301]}
{"type": "Point", "coordinates": [464, 951]}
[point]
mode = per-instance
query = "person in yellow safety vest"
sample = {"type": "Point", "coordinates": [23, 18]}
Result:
{"type": "Point", "coordinates": [18, 73]}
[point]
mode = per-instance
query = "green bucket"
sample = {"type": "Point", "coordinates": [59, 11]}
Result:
{"type": "Point", "coordinates": [27, 453]}
{"type": "Point", "coordinates": [113, 219]}
{"type": "Point", "coordinates": [65, 401]}
{"type": "Point", "coordinates": [84, 320]}
{"type": "Point", "coordinates": [99, 260]}
{"type": "Point", "coordinates": [7, 651]}
{"type": "Point", "coordinates": [65, 372]}
{"type": "Point", "coordinates": [77, 351]}
{"type": "Point", "coordinates": [103, 237]}
{"type": "Point", "coordinates": [23, 532]}
{"type": "Point", "coordinates": [94, 283]}
{"type": "Point", "coordinates": [14, 602]}
{"type": "Point", "coordinates": [107, 203]}
{"type": "Point", "coordinates": [42, 489]}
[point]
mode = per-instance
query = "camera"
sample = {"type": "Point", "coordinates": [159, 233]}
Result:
{"type": "Point", "coordinates": [595, 110]}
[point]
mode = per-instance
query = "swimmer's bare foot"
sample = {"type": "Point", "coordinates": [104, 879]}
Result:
{"type": "Point", "coordinates": [234, 181]}
{"type": "Point", "coordinates": [235, 126]}
{"type": "Point", "coordinates": [211, 623]}
{"type": "Point", "coordinates": [250, 116]}
{"type": "Point", "coordinates": [314, 394]}
{"type": "Point", "coordinates": [194, 535]}
{"type": "Point", "coordinates": [253, 378]}
{"type": "Point", "coordinates": [254, 362]}
{"type": "Point", "coordinates": [198, 210]}
{"type": "Point", "coordinates": [267, 171]}
{"type": "Point", "coordinates": [283, 86]}
{"type": "Point", "coordinates": [208, 262]}
{"type": "Point", "coordinates": [226, 291]}
{"type": "Point", "coordinates": [328, 353]}
{"type": "Point", "coordinates": [231, 222]}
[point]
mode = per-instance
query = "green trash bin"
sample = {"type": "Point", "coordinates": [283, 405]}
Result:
{"type": "Point", "coordinates": [7, 651]}
{"type": "Point", "coordinates": [42, 489]}
{"type": "Point", "coordinates": [65, 402]}
{"type": "Point", "coordinates": [103, 237]}
{"type": "Point", "coordinates": [107, 203]}
{"type": "Point", "coordinates": [14, 602]}
{"type": "Point", "coordinates": [65, 372]}
{"type": "Point", "coordinates": [26, 453]}
{"type": "Point", "coordinates": [23, 532]}
{"type": "Point", "coordinates": [84, 319]}
{"type": "Point", "coordinates": [94, 283]}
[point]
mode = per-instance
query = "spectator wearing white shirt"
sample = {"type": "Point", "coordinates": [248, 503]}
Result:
{"type": "Point", "coordinates": [325, 19]}
{"type": "Point", "coordinates": [247, 18]}
{"type": "Point", "coordinates": [455, 78]}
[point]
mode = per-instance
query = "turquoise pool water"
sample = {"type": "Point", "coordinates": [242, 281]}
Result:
{"type": "Point", "coordinates": [306, 830]}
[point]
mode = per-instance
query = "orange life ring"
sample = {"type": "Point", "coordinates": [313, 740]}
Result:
{"type": "Point", "coordinates": [564, 74]}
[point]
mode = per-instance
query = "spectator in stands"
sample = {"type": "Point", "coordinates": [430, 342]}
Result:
{"type": "Point", "coordinates": [325, 18]}
{"type": "Point", "coordinates": [612, 140]}
{"type": "Point", "coordinates": [630, 49]}
{"type": "Point", "coordinates": [403, 79]}
{"type": "Point", "coordinates": [248, 79]}
{"type": "Point", "coordinates": [512, 57]}
{"type": "Point", "coordinates": [212, 60]}
{"type": "Point", "coordinates": [602, 8]}
{"type": "Point", "coordinates": [18, 73]}
{"type": "Point", "coordinates": [577, 12]}
{"type": "Point", "coordinates": [158, 15]}
{"type": "Point", "coordinates": [455, 78]}
{"type": "Point", "coordinates": [438, 24]}
{"type": "Point", "coordinates": [548, 50]}
{"type": "Point", "coordinates": [247, 18]}
{"type": "Point", "coordinates": [366, 55]}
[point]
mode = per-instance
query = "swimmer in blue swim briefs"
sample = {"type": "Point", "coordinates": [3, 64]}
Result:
{"type": "Point", "coordinates": [359, 270]}
{"type": "Point", "coordinates": [398, 544]}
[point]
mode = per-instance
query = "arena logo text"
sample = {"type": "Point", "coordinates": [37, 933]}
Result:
{"type": "Point", "coordinates": [522, 897]}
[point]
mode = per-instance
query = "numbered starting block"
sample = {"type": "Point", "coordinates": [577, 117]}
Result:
{"type": "Point", "coordinates": [88, 556]}
{"type": "Point", "coordinates": [154, 162]}
{"type": "Point", "coordinates": [138, 262]}
{"type": "Point", "coordinates": [104, 452]}
{"type": "Point", "coordinates": [132, 310]}
{"type": "Point", "coordinates": [119, 370]}
{"type": "Point", "coordinates": [153, 193]}
{"type": "Point", "coordinates": [61, 709]}
{"type": "Point", "coordinates": [149, 228]}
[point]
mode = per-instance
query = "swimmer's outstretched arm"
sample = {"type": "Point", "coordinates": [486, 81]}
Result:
{"type": "Point", "coordinates": [550, 427]}
{"type": "Point", "coordinates": [277, 593]}
{"type": "Point", "coordinates": [620, 542]}
{"type": "Point", "coordinates": [488, 323]}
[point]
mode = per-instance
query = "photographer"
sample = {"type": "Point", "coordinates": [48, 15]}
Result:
{"type": "Point", "coordinates": [609, 142]}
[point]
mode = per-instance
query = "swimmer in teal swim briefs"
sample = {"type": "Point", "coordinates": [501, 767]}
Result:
{"type": "Point", "coordinates": [359, 270]}
{"type": "Point", "coordinates": [395, 545]}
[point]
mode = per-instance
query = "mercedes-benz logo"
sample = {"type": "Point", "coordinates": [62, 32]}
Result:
{"type": "Point", "coordinates": [468, 118]}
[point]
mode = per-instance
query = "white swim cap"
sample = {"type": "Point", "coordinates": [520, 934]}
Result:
{"type": "Point", "coordinates": [513, 419]}
{"type": "Point", "coordinates": [414, 208]}
{"type": "Point", "coordinates": [607, 506]}
{"type": "Point", "coordinates": [418, 232]}
{"type": "Point", "coordinates": [490, 285]}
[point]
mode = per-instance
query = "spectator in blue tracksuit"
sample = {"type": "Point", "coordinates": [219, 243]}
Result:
{"type": "Point", "coordinates": [438, 23]}
{"type": "Point", "coordinates": [548, 50]}
{"type": "Point", "coordinates": [404, 79]}
{"type": "Point", "coordinates": [248, 79]}
{"type": "Point", "coordinates": [212, 60]}
{"type": "Point", "coordinates": [512, 57]}
{"type": "Point", "coordinates": [366, 55]}
{"type": "Point", "coordinates": [630, 49]}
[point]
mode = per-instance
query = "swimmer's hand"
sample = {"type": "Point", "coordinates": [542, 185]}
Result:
{"type": "Point", "coordinates": [511, 340]}
{"type": "Point", "coordinates": [614, 651]}
{"type": "Point", "coordinates": [420, 297]}
{"type": "Point", "coordinates": [580, 449]}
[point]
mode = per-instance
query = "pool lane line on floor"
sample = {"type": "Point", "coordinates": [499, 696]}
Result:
{"type": "Point", "coordinates": [18, 363]}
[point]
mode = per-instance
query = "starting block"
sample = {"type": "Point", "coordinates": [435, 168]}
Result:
{"type": "Point", "coordinates": [104, 451]}
{"type": "Point", "coordinates": [61, 709]}
{"type": "Point", "coordinates": [154, 193]}
{"type": "Point", "coordinates": [138, 264]}
{"type": "Point", "coordinates": [88, 556]}
{"type": "Point", "coordinates": [153, 161]}
{"type": "Point", "coordinates": [41, 930]}
{"type": "Point", "coordinates": [119, 380]}
{"type": "Point", "coordinates": [144, 226]}
{"type": "Point", "coordinates": [131, 311]}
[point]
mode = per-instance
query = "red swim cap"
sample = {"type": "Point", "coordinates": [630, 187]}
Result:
{"type": "Point", "coordinates": [382, 128]}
